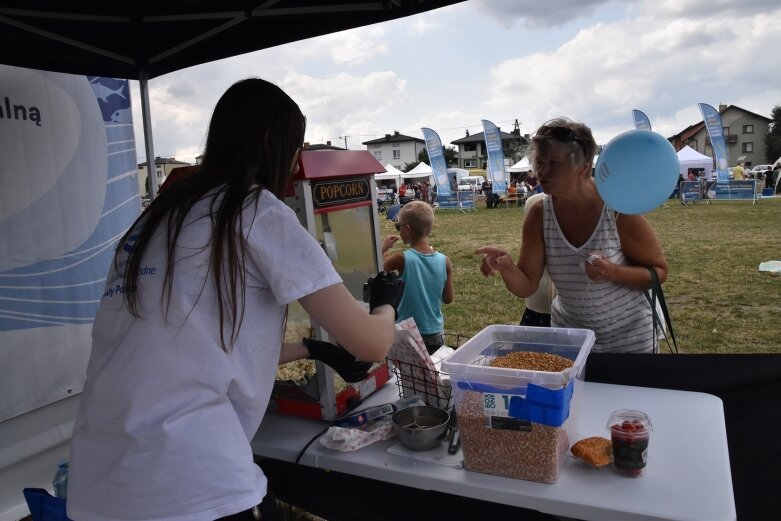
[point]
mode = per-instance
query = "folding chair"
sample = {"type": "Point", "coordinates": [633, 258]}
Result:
{"type": "Point", "coordinates": [392, 215]}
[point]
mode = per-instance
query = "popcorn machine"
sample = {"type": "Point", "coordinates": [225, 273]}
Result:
{"type": "Point", "coordinates": [335, 198]}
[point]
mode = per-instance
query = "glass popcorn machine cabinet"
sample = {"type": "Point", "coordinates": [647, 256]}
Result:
{"type": "Point", "coordinates": [334, 196]}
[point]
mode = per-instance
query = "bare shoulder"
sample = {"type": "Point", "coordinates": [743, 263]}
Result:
{"type": "Point", "coordinates": [629, 224]}
{"type": "Point", "coordinates": [534, 208]}
{"type": "Point", "coordinates": [533, 218]}
{"type": "Point", "coordinates": [394, 261]}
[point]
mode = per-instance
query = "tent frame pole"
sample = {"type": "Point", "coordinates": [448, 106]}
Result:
{"type": "Point", "coordinates": [151, 168]}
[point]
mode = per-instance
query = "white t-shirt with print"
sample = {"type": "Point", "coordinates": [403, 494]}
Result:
{"type": "Point", "coordinates": [166, 415]}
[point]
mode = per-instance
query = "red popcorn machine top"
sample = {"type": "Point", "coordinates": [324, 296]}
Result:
{"type": "Point", "coordinates": [335, 198]}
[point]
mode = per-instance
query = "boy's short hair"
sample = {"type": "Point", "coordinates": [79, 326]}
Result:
{"type": "Point", "coordinates": [419, 216]}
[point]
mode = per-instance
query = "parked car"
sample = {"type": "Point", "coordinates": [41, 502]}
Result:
{"type": "Point", "coordinates": [758, 171]}
{"type": "Point", "coordinates": [471, 183]}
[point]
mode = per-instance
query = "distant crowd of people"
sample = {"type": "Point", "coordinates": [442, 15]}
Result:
{"type": "Point", "coordinates": [771, 178]}
{"type": "Point", "coordinates": [529, 185]}
{"type": "Point", "coordinates": [416, 192]}
{"type": "Point", "coordinates": [426, 192]}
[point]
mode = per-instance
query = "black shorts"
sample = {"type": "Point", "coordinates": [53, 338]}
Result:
{"type": "Point", "coordinates": [433, 342]}
{"type": "Point", "coordinates": [532, 318]}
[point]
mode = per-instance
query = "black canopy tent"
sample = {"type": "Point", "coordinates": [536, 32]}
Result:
{"type": "Point", "coordinates": [141, 40]}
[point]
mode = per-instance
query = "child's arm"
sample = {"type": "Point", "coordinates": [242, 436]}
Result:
{"type": "Point", "coordinates": [447, 292]}
{"type": "Point", "coordinates": [388, 243]}
{"type": "Point", "coordinates": [392, 261]}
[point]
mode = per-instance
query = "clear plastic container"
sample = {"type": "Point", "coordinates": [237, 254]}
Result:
{"type": "Point", "coordinates": [496, 440]}
{"type": "Point", "coordinates": [471, 361]}
{"type": "Point", "coordinates": [630, 433]}
{"type": "Point", "coordinates": [60, 481]}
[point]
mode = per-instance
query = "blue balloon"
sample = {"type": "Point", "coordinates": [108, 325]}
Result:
{"type": "Point", "coordinates": [636, 171]}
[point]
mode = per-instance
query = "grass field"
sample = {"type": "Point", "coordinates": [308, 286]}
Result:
{"type": "Point", "coordinates": [718, 300]}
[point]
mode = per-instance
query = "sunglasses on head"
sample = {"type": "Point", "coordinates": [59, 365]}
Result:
{"type": "Point", "coordinates": [559, 133]}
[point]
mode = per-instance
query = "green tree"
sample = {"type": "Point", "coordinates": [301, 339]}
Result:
{"type": "Point", "coordinates": [406, 167]}
{"type": "Point", "coordinates": [451, 156]}
{"type": "Point", "coordinates": [773, 138]}
{"type": "Point", "coordinates": [515, 149]}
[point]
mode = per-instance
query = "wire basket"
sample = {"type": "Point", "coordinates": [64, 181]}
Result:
{"type": "Point", "coordinates": [454, 340]}
{"type": "Point", "coordinates": [433, 387]}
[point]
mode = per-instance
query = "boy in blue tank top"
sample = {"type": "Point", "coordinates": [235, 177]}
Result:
{"type": "Point", "coordinates": [427, 274]}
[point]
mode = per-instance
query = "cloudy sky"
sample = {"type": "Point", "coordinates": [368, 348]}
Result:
{"type": "Point", "coordinates": [501, 60]}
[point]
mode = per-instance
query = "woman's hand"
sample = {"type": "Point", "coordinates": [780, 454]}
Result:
{"type": "Point", "coordinates": [494, 260]}
{"type": "Point", "coordinates": [598, 268]}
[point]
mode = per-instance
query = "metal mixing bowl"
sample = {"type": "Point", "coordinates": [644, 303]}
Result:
{"type": "Point", "coordinates": [421, 427]}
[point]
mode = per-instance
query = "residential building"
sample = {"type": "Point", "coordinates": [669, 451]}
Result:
{"type": "Point", "coordinates": [163, 167]}
{"type": "Point", "coordinates": [396, 149]}
{"type": "Point", "coordinates": [321, 146]}
{"type": "Point", "coordinates": [472, 153]}
{"type": "Point", "coordinates": [744, 135]}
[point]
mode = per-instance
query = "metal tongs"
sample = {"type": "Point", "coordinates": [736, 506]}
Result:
{"type": "Point", "coordinates": [453, 437]}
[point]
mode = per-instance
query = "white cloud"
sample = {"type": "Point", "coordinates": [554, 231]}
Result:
{"type": "Point", "coordinates": [344, 104]}
{"type": "Point", "coordinates": [422, 25]}
{"type": "Point", "coordinates": [353, 47]}
{"type": "Point", "coordinates": [536, 14]}
{"type": "Point", "coordinates": [707, 8]}
{"type": "Point", "coordinates": [608, 69]}
{"type": "Point", "coordinates": [662, 57]}
{"type": "Point", "coordinates": [181, 102]}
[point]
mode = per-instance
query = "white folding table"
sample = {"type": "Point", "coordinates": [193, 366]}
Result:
{"type": "Point", "coordinates": [687, 478]}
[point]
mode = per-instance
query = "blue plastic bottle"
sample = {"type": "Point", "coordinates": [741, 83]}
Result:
{"type": "Point", "coordinates": [60, 481]}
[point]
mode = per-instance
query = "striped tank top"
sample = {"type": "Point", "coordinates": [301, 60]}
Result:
{"type": "Point", "coordinates": [619, 316]}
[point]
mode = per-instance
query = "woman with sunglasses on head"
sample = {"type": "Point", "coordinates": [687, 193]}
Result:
{"type": "Point", "coordinates": [189, 332]}
{"type": "Point", "coordinates": [597, 258]}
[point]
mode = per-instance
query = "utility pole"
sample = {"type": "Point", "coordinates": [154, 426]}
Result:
{"type": "Point", "coordinates": [345, 143]}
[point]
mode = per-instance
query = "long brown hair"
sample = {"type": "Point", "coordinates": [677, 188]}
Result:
{"type": "Point", "coordinates": [254, 134]}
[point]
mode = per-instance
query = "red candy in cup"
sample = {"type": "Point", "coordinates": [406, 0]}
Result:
{"type": "Point", "coordinates": [630, 432]}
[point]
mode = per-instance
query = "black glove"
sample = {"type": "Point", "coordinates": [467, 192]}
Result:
{"type": "Point", "coordinates": [383, 289]}
{"type": "Point", "coordinates": [348, 367]}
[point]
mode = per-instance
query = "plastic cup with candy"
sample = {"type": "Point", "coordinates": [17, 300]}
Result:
{"type": "Point", "coordinates": [630, 432]}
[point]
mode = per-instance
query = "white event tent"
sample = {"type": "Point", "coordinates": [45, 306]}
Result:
{"type": "Point", "coordinates": [521, 166]}
{"type": "Point", "coordinates": [391, 174]}
{"type": "Point", "coordinates": [690, 158]}
{"type": "Point", "coordinates": [421, 170]}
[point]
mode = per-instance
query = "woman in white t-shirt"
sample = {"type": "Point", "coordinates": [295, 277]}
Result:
{"type": "Point", "coordinates": [190, 328]}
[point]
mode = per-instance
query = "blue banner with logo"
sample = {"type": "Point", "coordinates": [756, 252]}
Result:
{"type": "Point", "coordinates": [436, 157]}
{"type": "Point", "coordinates": [456, 201]}
{"type": "Point", "coordinates": [493, 145]}
{"type": "Point", "coordinates": [69, 189]}
{"type": "Point", "coordinates": [641, 120]}
{"type": "Point", "coordinates": [744, 190]}
{"type": "Point", "coordinates": [712, 121]}
{"type": "Point", "coordinates": [691, 190]}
